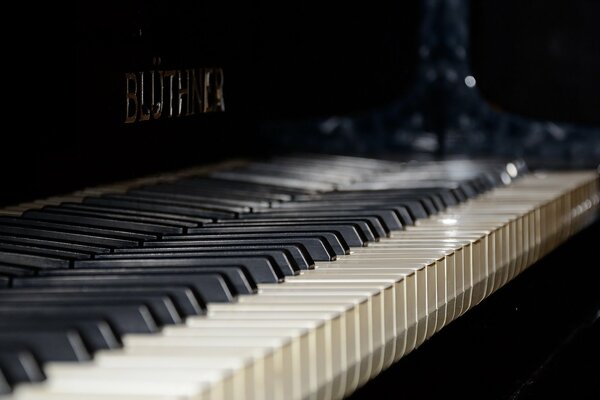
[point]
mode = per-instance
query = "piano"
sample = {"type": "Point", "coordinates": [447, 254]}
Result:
{"type": "Point", "coordinates": [308, 201]}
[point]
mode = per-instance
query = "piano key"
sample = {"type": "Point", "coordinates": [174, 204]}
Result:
{"type": "Point", "coordinates": [191, 196]}
{"type": "Point", "coordinates": [261, 268]}
{"type": "Point", "coordinates": [185, 301]}
{"type": "Point", "coordinates": [135, 205]}
{"type": "Point", "coordinates": [93, 221]}
{"type": "Point", "coordinates": [315, 248]}
{"type": "Point", "coordinates": [67, 237]}
{"type": "Point", "coordinates": [33, 260]}
{"type": "Point", "coordinates": [203, 205]}
{"type": "Point", "coordinates": [123, 318]}
{"type": "Point", "coordinates": [20, 366]}
{"type": "Point", "coordinates": [54, 244]}
{"type": "Point", "coordinates": [369, 230]}
{"type": "Point", "coordinates": [348, 233]}
{"type": "Point", "coordinates": [297, 253]}
{"type": "Point", "coordinates": [387, 218]}
{"type": "Point", "coordinates": [161, 221]}
{"type": "Point", "coordinates": [4, 280]}
{"type": "Point", "coordinates": [9, 270]}
{"type": "Point", "coordinates": [211, 287]}
{"type": "Point", "coordinates": [4, 386]}
{"type": "Point", "coordinates": [161, 308]}
{"type": "Point", "coordinates": [95, 333]}
{"type": "Point", "coordinates": [47, 345]}
{"type": "Point", "coordinates": [279, 258]}
{"type": "Point", "coordinates": [133, 213]}
{"type": "Point", "coordinates": [75, 228]}
{"type": "Point", "coordinates": [239, 280]}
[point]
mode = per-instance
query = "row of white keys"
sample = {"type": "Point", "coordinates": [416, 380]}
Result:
{"type": "Point", "coordinates": [322, 334]}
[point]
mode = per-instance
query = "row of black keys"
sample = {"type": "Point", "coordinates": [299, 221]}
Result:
{"type": "Point", "coordinates": [79, 276]}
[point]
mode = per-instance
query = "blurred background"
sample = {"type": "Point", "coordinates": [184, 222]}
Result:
{"type": "Point", "coordinates": [417, 79]}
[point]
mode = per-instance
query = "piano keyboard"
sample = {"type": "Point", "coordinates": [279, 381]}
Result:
{"type": "Point", "coordinates": [299, 278]}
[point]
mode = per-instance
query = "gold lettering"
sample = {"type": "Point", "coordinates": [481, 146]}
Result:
{"type": "Point", "coordinates": [144, 110]}
{"type": "Point", "coordinates": [157, 106]}
{"type": "Point", "coordinates": [170, 89]}
{"type": "Point", "coordinates": [131, 102]}
{"type": "Point", "coordinates": [183, 92]}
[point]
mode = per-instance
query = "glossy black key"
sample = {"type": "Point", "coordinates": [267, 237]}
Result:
{"type": "Point", "coordinates": [131, 204]}
{"type": "Point", "coordinates": [154, 220]}
{"type": "Point", "coordinates": [335, 244]}
{"type": "Point", "coordinates": [204, 205]}
{"type": "Point", "coordinates": [55, 244]}
{"type": "Point", "coordinates": [347, 233]}
{"type": "Point", "coordinates": [368, 230]}
{"type": "Point", "coordinates": [4, 386]}
{"type": "Point", "coordinates": [33, 260]}
{"type": "Point", "coordinates": [47, 345]}
{"type": "Point", "coordinates": [75, 228]}
{"type": "Point", "coordinates": [387, 218]}
{"type": "Point", "coordinates": [262, 269]}
{"type": "Point", "coordinates": [317, 249]}
{"type": "Point", "coordinates": [211, 287]}
{"type": "Point", "coordinates": [100, 222]}
{"type": "Point", "coordinates": [134, 213]}
{"type": "Point", "coordinates": [68, 237]}
{"type": "Point", "coordinates": [239, 279]}
{"type": "Point", "coordinates": [296, 252]}
{"type": "Point", "coordinates": [198, 197]}
{"type": "Point", "coordinates": [16, 270]}
{"type": "Point", "coordinates": [279, 258]}
{"type": "Point", "coordinates": [19, 366]}
{"type": "Point", "coordinates": [161, 307]}
{"type": "Point", "coordinates": [96, 333]}
{"type": "Point", "coordinates": [123, 318]}
{"type": "Point", "coordinates": [4, 281]}
{"type": "Point", "coordinates": [184, 299]}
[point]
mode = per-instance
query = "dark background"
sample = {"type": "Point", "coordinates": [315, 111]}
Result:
{"type": "Point", "coordinates": [283, 61]}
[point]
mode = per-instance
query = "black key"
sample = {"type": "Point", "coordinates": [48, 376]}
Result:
{"type": "Point", "coordinates": [75, 228]}
{"type": "Point", "coordinates": [4, 386]}
{"type": "Point", "coordinates": [161, 221]}
{"type": "Point", "coordinates": [81, 220]}
{"type": "Point", "coordinates": [363, 226]}
{"type": "Point", "coordinates": [213, 206]}
{"type": "Point", "coordinates": [280, 258]}
{"type": "Point", "coordinates": [161, 307]}
{"type": "Point", "coordinates": [184, 190]}
{"type": "Point", "coordinates": [297, 252]}
{"type": "Point", "coordinates": [123, 318]}
{"type": "Point", "coordinates": [316, 248]}
{"type": "Point", "coordinates": [4, 281]}
{"type": "Point", "coordinates": [238, 277]}
{"type": "Point", "coordinates": [95, 333]}
{"type": "Point", "coordinates": [388, 219]}
{"type": "Point", "coordinates": [347, 233]}
{"type": "Point", "coordinates": [131, 204]}
{"type": "Point", "coordinates": [134, 213]}
{"type": "Point", "coordinates": [261, 268]}
{"type": "Point", "coordinates": [185, 301]}
{"type": "Point", "coordinates": [36, 250]}
{"type": "Point", "coordinates": [47, 345]}
{"type": "Point", "coordinates": [20, 365]}
{"type": "Point", "coordinates": [16, 270]}
{"type": "Point", "coordinates": [76, 238]}
{"type": "Point", "coordinates": [192, 197]}
{"type": "Point", "coordinates": [55, 244]}
{"type": "Point", "coordinates": [33, 260]}
{"type": "Point", "coordinates": [211, 287]}
{"type": "Point", "coordinates": [333, 242]}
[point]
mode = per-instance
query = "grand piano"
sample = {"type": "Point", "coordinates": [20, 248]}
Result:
{"type": "Point", "coordinates": [228, 185]}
